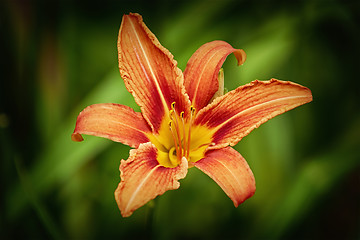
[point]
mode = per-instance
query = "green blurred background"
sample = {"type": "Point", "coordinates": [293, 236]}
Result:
{"type": "Point", "coordinates": [57, 57]}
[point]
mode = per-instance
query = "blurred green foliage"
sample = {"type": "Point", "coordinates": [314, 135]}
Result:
{"type": "Point", "coordinates": [60, 56]}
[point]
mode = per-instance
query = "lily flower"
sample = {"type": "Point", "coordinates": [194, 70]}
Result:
{"type": "Point", "coordinates": [182, 124]}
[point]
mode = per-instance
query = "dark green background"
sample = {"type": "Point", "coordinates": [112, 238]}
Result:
{"type": "Point", "coordinates": [57, 57]}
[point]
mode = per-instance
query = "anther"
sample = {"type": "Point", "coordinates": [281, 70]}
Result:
{"type": "Point", "coordinates": [182, 114]}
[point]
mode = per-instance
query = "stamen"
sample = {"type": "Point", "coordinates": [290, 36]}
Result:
{"type": "Point", "coordinates": [174, 138]}
{"type": "Point", "coordinates": [173, 160]}
{"type": "Point", "coordinates": [192, 114]}
{"type": "Point", "coordinates": [203, 145]}
{"type": "Point", "coordinates": [183, 127]}
{"type": "Point", "coordinates": [175, 116]}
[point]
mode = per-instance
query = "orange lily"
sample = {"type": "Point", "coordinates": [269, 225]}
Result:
{"type": "Point", "coordinates": [180, 126]}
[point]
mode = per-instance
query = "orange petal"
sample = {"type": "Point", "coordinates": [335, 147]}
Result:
{"type": "Point", "coordinates": [149, 71]}
{"type": "Point", "coordinates": [237, 113]}
{"type": "Point", "coordinates": [230, 171]}
{"type": "Point", "coordinates": [201, 73]}
{"type": "Point", "coordinates": [113, 121]}
{"type": "Point", "coordinates": [142, 178]}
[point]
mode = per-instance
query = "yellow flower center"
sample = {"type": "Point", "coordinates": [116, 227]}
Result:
{"type": "Point", "coordinates": [178, 138]}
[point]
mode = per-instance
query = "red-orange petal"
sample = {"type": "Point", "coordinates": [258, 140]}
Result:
{"type": "Point", "coordinates": [149, 71]}
{"type": "Point", "coordinates": [113, 121]}
{"type": "Point", "coordinates": [237, 113]}
{"type": "Point", "coordinates": [230, 171]}
{"type": "Point", "coordinates": [143, 179]}
{"type": "Point", "coordinates": [201, 73]}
